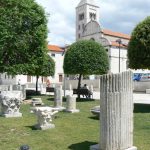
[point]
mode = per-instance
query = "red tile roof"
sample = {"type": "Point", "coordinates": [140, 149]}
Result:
{"type": "Point", "coordinates": [113, 43]}
{"type": "Point", "coordinates": [55, 48]}
{"type": "Point", "coordinates": [116, 34]}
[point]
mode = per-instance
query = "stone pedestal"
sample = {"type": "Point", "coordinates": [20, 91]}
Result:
{"type": "Point", "coordinates": [97, 147]}
{"type": "Point", "coordinates": [21, 88]}
{"type": "Point", "coordinates": [44, 117]}
{"type": "Point", "coordinates": [71, 104]}
{"type": "Point", "coordinates": [58, 98]}
{"type": "Point", "coordinates": [36, 101]}
{"type": "Point", "coordinates": [116, 119]}
{"type": "Point", "coordinates": [10, 103]}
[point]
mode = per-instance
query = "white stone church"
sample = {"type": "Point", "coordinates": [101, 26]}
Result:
{"type": "Point", "coordinates": [88, 27]}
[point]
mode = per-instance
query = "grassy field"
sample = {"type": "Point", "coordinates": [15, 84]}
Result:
{"type": "Point", "coordinates": [73, 131]}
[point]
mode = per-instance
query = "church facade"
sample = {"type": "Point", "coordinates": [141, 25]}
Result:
{"type": "Point", "coordinates": [88, 27]}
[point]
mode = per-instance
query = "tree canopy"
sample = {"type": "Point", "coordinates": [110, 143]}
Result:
{"type": "Point", "coordinates": [23, 34]}
{"type": "Point", "coordinates": [139, 46]}
{"type": "Point", "coordinates": [45, 68]}
{"type": "Point", "coordinates": [86, 57]}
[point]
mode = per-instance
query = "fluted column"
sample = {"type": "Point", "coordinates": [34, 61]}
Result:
{"type": "Point", "coordinates": [116, 107]}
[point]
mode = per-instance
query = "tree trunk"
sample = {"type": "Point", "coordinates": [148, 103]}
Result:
{"type": "Point", "coordinates": [79, 84]}
{"type": "Point", "coordinates": [37, 77]}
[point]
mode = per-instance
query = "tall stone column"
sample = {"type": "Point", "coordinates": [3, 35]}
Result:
{"type": "Point", "coordinates": [116, 118]}
{"type": "Point", "coordinates": [58, 98]}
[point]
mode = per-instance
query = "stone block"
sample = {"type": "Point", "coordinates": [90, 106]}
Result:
{"type": "Point", "coordinates": [36, 101]}
{"type": "Point", "coordinates": [71, 104]}
{"type": "Point", "coordinates": [97, 147]}
{"type": "Point", "coordinates": [10, 103]}
{"type": "Point", "coordinates": [44, 117]}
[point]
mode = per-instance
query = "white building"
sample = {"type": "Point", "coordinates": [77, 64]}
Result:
{"type": "Point", "coordinates": [88, 27]}
{"type": "Point", "coordinates": [56, 53]}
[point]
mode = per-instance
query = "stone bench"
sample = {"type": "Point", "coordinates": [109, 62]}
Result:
{"type": "Point", "coordinates": [84, 92]}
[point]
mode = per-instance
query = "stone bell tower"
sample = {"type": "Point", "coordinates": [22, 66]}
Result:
{"type": "Point", "coordinates": [86, 11]}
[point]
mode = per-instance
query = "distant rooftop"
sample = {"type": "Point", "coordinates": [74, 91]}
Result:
{"type": "Point", "coordinates": [116, 34]}
{"type": "Point", "coordinates": [55, 48]}
{"type": "Point", "coordinates": [91, 2]}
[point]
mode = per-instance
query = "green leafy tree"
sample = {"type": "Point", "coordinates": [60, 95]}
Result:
{"type": "Point", "coordinates": [23, 34]}
{"type": "Point", "coordinates": [45, 68]}
{"type": "Point", "coordinates": [86, 57]}
{"type": "Point", "coordinates": [139, 46]}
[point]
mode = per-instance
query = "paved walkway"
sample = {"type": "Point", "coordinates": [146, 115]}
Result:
{"type": "Point", "coordinates": [138, 98]}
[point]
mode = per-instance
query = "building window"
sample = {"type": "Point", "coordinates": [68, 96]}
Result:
{"type": "Point", "coordinates": [78, 27]}
{"type": "Point", "coordinates": [79, 36]}
{"type": "Point", "coordinates": [81, 16]}
{"type": "Point", "coordinates": [83, 26]}
{"type": "Point", "coordinates": [45, 79]}
{"type": "Point", "coordinates": [28, 78]}
{"type": "Point", "coordinates": [92, 16]}
{"type": "Point", "coordinates": [60, 78]}
{"type": "Point", "coordinates": [53, 55]}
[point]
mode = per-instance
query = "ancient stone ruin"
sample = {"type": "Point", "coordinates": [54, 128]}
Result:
{"type": "Point", "coordinates": [71, 104]}
{"type": "Point", "coordinates": [116, 118]}
{"type": "Point", "coordinates": [44, 117]}
{"type": "Point", "coordinates": [10, 103]}
{"type": "Point", "coordinates": [58, 98]}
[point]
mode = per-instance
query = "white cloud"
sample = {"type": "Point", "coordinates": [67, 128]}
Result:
{"type": "Point", "coordinates": [118, 15]}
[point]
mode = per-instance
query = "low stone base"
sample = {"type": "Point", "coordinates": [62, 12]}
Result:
{"type": "Point", "coordinates": [97, 147]}
{"type": "Point", "coordinates": [49, 126]}
{"type": "Point", "coordinates": [73, 111]}
{"type": "Point", "coordinates": [59, 108]}
{"type": "Point", "coordinates": [12, 115]}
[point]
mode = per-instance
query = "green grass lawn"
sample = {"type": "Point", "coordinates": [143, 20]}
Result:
{"type": "Point", "coordinates": [72, 132]}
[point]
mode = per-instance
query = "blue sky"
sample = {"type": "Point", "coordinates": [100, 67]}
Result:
{"type": "Point", "coordinates": [117, 15]}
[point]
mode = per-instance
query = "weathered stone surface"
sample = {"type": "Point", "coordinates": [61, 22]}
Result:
{"type": "Point", "coordinates": [95, 110]}
{"type": "Point", "coordinates": [10, 103]}
{"type": "Point", "coordinates": [116, 100]}
{"type": "Point", "coordinates": [36, 101]}
{"type": "Point", "coordinates": [71, 104]}
{"type": "Point", "coordinates": [97, 147]}
{"type": "Point", "coordinates": [44, 117]}
{"type": "Point", "coordinates": [58, 98]}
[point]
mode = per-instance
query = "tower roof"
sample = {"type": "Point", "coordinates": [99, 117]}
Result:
{"type": "Point", "coordinates": [91, 2]}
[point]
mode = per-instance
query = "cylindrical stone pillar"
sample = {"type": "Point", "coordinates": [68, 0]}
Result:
{"type": "Point", "coordinates": [58, 98]}
{"type": "Point", "coordinates": [71, 104]}
{"type": "Point", "coordinates": [116, 118]}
